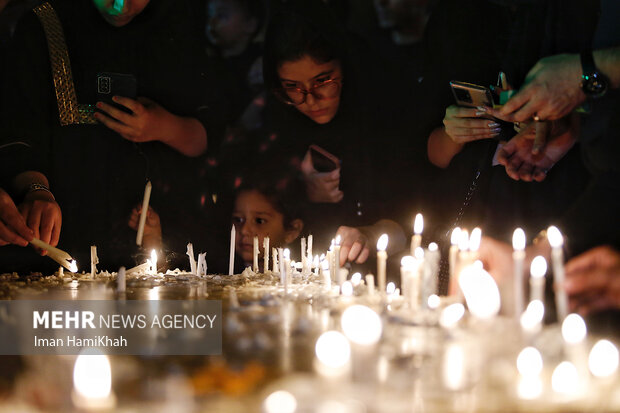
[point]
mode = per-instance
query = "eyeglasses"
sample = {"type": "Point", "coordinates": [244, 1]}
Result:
{"type": "Point", "coordinates": [296, 96]}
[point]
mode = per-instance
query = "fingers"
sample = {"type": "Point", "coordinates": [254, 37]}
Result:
{"type": "Point", "coordinates": [115, 125]}
{"type": "Point", "coordinates": [115, 113]}
{"type": "Point", "coordinates": [34, 220]}
{"type": "Point", "coordinates": [516, 102]}
{"type": "Point", "coordinates": [133, 105]}
{"type": "Point", "coordinates": [363, 256]}
{"type": "Point", "coordinates": [306, 165]}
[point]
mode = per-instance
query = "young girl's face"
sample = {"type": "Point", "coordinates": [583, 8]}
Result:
{"type": "Point", "coordinates": [228, 25]}
{"type": "Point", "coordinates": [254, 215]}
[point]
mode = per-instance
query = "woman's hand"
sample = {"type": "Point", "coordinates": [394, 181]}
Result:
{"type": "Point", "coordinates": [43, 216]}
{"type": "Point", "coordinates": [354, 245]}
{"type": "Point", "coordinates": [464, 125]}
{"type": "Point", "coordinates": [321, 186]}
{"type": "Point", "coordinates": [593, 280]}
{"type": "Point", "coordinates": [148, 121]}
{"type": "Point", "coordinates": [13, 228]}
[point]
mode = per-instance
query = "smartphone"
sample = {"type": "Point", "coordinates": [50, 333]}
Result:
{"type": "Point", "coordinates": [322, 160]}
{"type": "Point", "coordinates": [116, 84]}
{"type": "Point", "coordinates": [470, 95]}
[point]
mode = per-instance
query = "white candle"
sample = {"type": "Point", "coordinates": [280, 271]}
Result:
{"type": "Point", "coordinates": [121, 282]}
{"type": "Point", "coordinates": [418, 227]}
{"type": "Point", "coordinates": [452, 260]}
{"type": "Point", "coordinates": [409, 280]}
{"type": "Point", "coordinates": [94, 260]}
{"type": "Point", "coordinates": [255, 253]}
{"type": "Point", "coordinates": [474, 243]}
{"type": "Point", "coordinates": [338, 274]}
{"type": "Point", "coordinates": [330, 261]}
{"type": "Point", "coordinates": [370, 283]}
{"type": "Point", "coordinates": [304, 257]}
{"type": "Point", "coordinates": [325, 275]}
{"type": "Point", "coordinates": [275, 268]}
{"type": "Point", "coordinates": [231, 259]}
{"type": "Point", "coordinates": [285, 266]}
{"type": "Point", "coordinates": [192, 259]}
{"type": "Point", "coordinates": [431, 268]}
{"type": "Point", "coordinates": [518, 256]}
{"type": "Point", "coordinates": [61, 272]}
{"type": "Point", "coordinates": [532, 318]}
{"type": "Point", "coordinates": [557, 261]}
{"type": "Point", "coordinates": [145, 207]}
{"type": "Point", "coordinates": [265, 254]}
{"type": "Point", "coordinates": [201, 269]}
{"type": "Point", "coordinates": [538, 269]}
{"type": "Point", "coordinates": [310, 241]}
{"type": "Point", "coordinates": [315, 263]}
{"type": "Point", "coordinates": [153, 262]}
{"type": "Point", "coordinates": [381, 261]}
{"type": "Point", "coordinates": [574, 332]}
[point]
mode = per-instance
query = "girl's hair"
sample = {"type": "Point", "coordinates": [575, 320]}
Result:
{"type": "Point", "coordinates": [284, 192]}
{"type": "Point", "coordinates": [298, 28]}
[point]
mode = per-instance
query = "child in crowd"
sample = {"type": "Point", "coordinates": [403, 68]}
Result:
{"type": "Point", "coordinates": [266, 208]}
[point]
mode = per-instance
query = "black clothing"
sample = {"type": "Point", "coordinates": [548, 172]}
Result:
{"type": "Point", "coordinates": [97, 176]}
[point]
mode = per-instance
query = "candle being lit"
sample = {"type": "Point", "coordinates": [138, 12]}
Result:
{"type": "Point", "coordinates": [143, 212]}
{"type": "Point", "coordinates": [418, 227]}
{"type": "Point", "coordinates": [557, 261]}
{"type": "Point", "coordinates": [518, 257]}
{"type": "Point", "coordinates": [231, 259]}
{"type": "Point", "coordinates": [538, 269]}
{"type": "Point", "coordinates": [381, 261]}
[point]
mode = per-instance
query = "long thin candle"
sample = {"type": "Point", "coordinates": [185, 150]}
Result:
{"type": "Point", "coordinates": [381, 262]}
{"type": "Point", "coordinates": [310, 240]}
{"type": "Point", "coordinates": [453, 258]}
{"type": "Point", "coordinates": [192, 258]}
{"type": "Point", "coordinates": [265, 254]}
{"type": "Point", "coordinates": [231, 260]}
{"type": "Point", "coordinates": [538, 269]}
{"type": "Point", "coordinates": [557, 261]}
{"type": "Point", "coordinates": [338, 275]}
{"type": "Point", "coordinates": [518, 257]}
{"type": "Point", "coordinates": [304, 258]}
{"type": "Point", "coordinates": [121, 282]}
{"type": "Point", "coordinates": [94, 260]}
{"type": "Point", "coordinates": [255, 253]}
{"type": "Point", "coordinates": [416, 239]}
{"type": "Point", "coordinates": [145, 207]}
{"type": "Point", "coordinates": [274, 261]}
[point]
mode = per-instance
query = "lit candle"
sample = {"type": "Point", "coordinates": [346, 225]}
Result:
{"type": "Point", "coordinates": [338, 274]}
{"type": "Point", "coordinates": [73, 266]}
{"type": "Point", "coordinates": [480, 291]}
{"type": "Point", "coordinates": [532, 318]}
{"type": "Point", "coordinates": [418, 227]}
{"type": "Point", "coordinates": [356, 279]}
{"type": "Point", "coordinates": [153, 262]}
{"type": "Point", "coordinates": [381, 261]}
{"type": "Point", "coordinates": [603, 359]}
{"type": "Point", "coordinates": [565, 379]}
{"type": "Point", "coordinates": [265, 254]}
{"type": "Point", "coordinates": [529, 365]}
{"type": "Point", "coordinates": [192, 259]}
{"type": "Point", "coordinates": [255, 253]}
{"type": "Point", "coordinates": [346, 289]}
{"type": "Point", "coordinates": [143, 212]}
{"type": "Point", "coordinates": [518, 256]}
{"type": "Point", "coordinates": [330, 260]}
{"type": "Point", "coordinates": [94, 260]}
{"type": "Point", "coordinates": [574, 332]}
{"type": "Point", "coordinates": [327, 279]}
{"type": "Point", "coordinates": [231, 259]}
{"type": "Point", "coordinates": [92, 382]}
{"type": "Point", "coordinates": [274, 261]}
{"type": "Point", "coordinates": [431, 269]}
{"type": "Point", "coordinates": [557, 261]}
{"type": "Point", "coordinates": [538, 269]}
{"type": "Point", "coordinates": [121, 282]}
{"type": "Point", "coordinates": [370, 283]}
{"type": "Point", "coordinates": [452, 259]}
{"type": "Point", "coordinates": [474, 243]}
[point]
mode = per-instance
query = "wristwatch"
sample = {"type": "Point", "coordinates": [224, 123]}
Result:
{"type": "Point", "coordinates": [593, 83]}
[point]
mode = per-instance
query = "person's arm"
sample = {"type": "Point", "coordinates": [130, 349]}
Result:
{"type": "Point", "coordinates": [151, 122]}
{"type": "Point", "coordinates": [441, 149]}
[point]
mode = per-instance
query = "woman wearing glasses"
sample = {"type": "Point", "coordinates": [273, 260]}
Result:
{"type": "Point", "coordinates": [326, 120]}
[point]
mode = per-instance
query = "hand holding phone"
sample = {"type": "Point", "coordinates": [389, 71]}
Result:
{"type": "Point", "coordinates": [321, 186]}
{"type": "Point", "coordinates": [322, 160]}
{"type": "Point", "coordinates": [116, 84]}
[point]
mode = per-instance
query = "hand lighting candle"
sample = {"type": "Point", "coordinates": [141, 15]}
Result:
{"type": "Point", "coordinates": [418, 227]}
{"type": "Point", "coordinates": [518, 256]}
{"type": "Point", "coordinates": [231, 259]}
{"type": "Point", "coordinates": [557, 261]}
{"type": "Point", "coordinates": [143, 212]}
{"type": "Point", "coordinates": [381, 261]}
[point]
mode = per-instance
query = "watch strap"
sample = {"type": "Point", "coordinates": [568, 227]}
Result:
{"type": "Point", "coordinates": [587, 63]}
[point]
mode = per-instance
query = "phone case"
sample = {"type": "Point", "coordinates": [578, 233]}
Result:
{"type": "Point", "coordinates": [322, 160]}
{"type": "Point", "coordinates": [471, 95]}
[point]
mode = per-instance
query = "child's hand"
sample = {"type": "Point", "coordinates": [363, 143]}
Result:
{"type": "Point", "coordinates": [152, 238]}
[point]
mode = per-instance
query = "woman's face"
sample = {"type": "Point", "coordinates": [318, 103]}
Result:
{"type": "Point", "coordinates": [306, 74]}
{"type": "Point", "coordinates": [254, 216]}
{"type": "Point", "coordinates": [120, 12]}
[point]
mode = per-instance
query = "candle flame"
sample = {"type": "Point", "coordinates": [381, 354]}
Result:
{"type": "Point", "coordinates": [338, 239]}
{"type": "Point", "coordinates": [361, 325]}
{"type": "Point", "coordinates": [333, 349]}
{"type": "Point", "coordinates": [418, 224]}
{"type": "Point", "coordinates": [533, 315]}
{"type": "Point", "coordinates": [280, 401]}
{"type": "Point", "coordinates": [565, 378]}
{"type": "Point", "coordinates": [451, 315]}
{"type": "Point", "coordinates": [474, 239]}
{"type": "Point", "coordinates": [73, 266]}
{"type": "Point", "coordinates": [555, 237]}
{"type": "Point", "coordinates": [408, 262]}
{"type": "Point", "coordinates": [287, 253]}
{"type": "Point", "coordinates": [518, 240]}
{"type": "Point", "coordinates": [480, 291]}
{"type": "Point", "coordinates": [538, 268]}
{"type": "Point", "coordinates": [603, 359]}
{"type": "Point", "coordinates": [456, 235]}
{"type": "Point", "coordinates": [382, 243]}
{"type": "Point", "coordinates": [391, 288]}
{"type": "Point", "coordinates": [574, 329]}
{"type": "Point", "coordinates": [356, 278]}
{"type": "Point", "coordinates": [347, 288]}
{"type": "Point", "coordinates": [463, 240]}
{"type": "Point", "coordinates": [529, 362]}
{"type": "Point", "coordinates": [433, 247]}
{"type": "Point", "coordinates": [92, 375]}
{"type": "Point", "coordinates": [433, 301]}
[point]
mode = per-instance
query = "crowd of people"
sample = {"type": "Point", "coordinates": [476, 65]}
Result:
{"type": "Point", "coordinates": [289, 118]}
